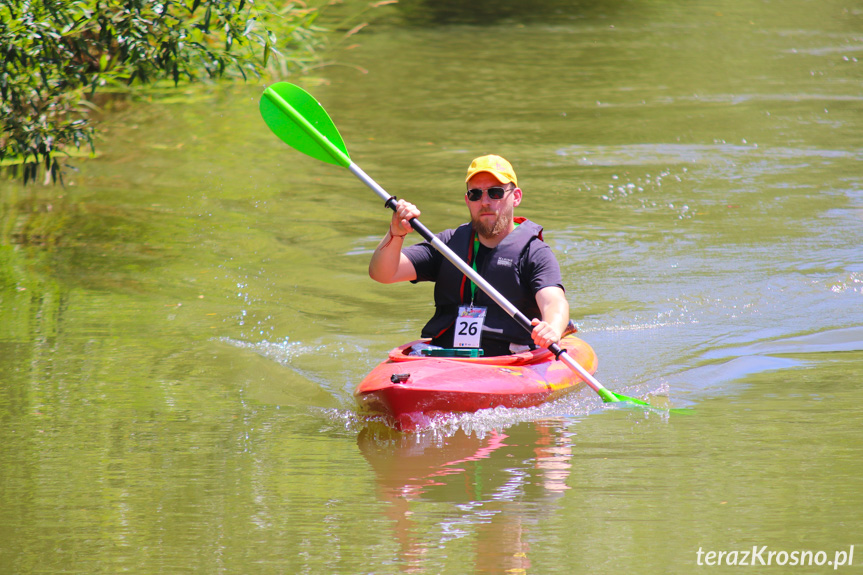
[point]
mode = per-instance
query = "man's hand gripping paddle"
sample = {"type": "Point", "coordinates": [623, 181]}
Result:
{"type": "Point", "coordinates": [302, 123]}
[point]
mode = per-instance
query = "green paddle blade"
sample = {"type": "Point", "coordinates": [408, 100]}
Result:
{"type": "Point", "coordinates": [621, 397]}
{"type": "Point", "coordinates": [302, 123]}
{"type": "Point", "coordinates": [614, 397]}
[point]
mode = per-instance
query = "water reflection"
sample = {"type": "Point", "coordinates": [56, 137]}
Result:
{"type": "Point", "coordinates": [723, 365]}
{"type": "Point", "coordinates": [493, 488]}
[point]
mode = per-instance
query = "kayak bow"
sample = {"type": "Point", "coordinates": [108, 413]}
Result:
{"type": "Point", "coordinates": [409, 390]}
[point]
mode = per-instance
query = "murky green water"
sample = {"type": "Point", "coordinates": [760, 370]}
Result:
{"type": "Point", "coordinates": [182, 328]}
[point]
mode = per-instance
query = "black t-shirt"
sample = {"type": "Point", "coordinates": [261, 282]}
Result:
{"type": "Point", "coordinates": [538, 266]}
{"type": "Point", "coordinates": [538, 269]}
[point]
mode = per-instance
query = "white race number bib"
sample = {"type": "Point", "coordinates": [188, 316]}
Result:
{"type": "Point", "coordinates": [468, 326]}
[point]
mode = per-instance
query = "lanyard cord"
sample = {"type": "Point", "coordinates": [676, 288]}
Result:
{"type": "Point", "coordinates": [474, 253]}
{"type": "Point", "coordinates": [471, 258]}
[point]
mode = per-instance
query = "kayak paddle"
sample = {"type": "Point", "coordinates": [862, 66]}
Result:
{"type": "Point", "coordinates": [302, 123]}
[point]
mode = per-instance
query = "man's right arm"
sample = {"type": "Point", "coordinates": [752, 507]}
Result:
{"type": "Point", "coordinates": [388, 264]}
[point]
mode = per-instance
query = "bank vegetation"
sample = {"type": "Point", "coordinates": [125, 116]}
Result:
{"type": "Point", "coordinates": [61, 60]}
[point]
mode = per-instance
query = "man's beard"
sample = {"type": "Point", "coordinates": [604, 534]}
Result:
{"type": "Point", "coordinates": [491, 229]}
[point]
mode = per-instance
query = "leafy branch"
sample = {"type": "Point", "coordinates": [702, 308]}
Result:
{"type": "Point", "coordinates": [55, 55]}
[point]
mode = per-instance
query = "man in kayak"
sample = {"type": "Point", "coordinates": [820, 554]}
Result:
{"type": "Point", "coordinates": [507, 251]}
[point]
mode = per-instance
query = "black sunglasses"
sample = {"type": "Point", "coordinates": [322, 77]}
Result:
{"type": "Point", "coordinates": [494, 193]}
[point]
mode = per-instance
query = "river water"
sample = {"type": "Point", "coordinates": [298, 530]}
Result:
{"type": "Point", "coordinates": [182, 326]}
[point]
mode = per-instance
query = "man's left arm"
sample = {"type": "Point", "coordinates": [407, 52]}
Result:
{"type": "Point", "coordinates": [555, 316]}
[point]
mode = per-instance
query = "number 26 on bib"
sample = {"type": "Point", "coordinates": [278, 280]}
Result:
{"type": "Point", "coordinates": [468, 326]}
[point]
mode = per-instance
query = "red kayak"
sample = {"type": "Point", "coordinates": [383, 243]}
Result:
{"type": "Point", "coordinates": [408, 390]}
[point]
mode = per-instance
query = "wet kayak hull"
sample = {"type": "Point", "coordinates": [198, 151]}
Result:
{"type": "Point", "coordinates": [408, 390]}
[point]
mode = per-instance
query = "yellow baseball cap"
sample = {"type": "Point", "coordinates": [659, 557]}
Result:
{"type": "Point", "coordinates": [494, 165]}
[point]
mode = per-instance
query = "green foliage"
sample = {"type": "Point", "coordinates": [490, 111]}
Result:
{"type": "Point", "coordinates": [55, 55]}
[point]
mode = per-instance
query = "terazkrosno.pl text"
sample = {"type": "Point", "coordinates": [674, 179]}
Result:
{"type": "Point", "coordinates": [760, 555]}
